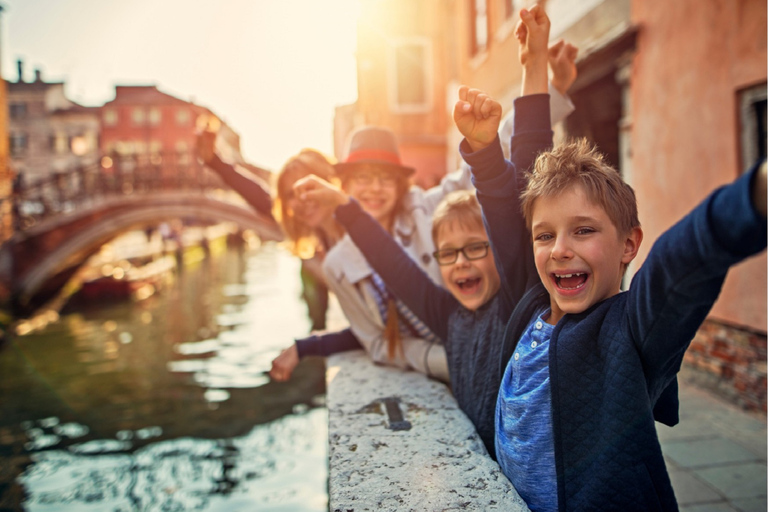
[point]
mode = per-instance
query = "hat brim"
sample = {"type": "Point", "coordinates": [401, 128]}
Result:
{"type": "Point", "coordinates": [344, 169]}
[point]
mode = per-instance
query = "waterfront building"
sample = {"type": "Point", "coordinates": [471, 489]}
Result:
{"type": "Point", "coordinates": [142, 121]}
{"type": "Point", "coordinates": [47, 132]}
{"type": "Point", "coordinates": [674, 93]}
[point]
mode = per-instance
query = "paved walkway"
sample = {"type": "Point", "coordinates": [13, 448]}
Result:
{"type": "Point", "coordinates": [716, 456]}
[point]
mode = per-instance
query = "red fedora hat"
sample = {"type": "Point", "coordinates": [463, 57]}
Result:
{"type": "Point", "coordinates": [372, 145]}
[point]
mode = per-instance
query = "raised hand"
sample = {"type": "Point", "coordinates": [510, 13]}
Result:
{"type": "Point", "coordinates": [532, 33]}
{"type": "Point", "coordinates": [562, 62]}
{"type": "Point", "coordinates": [314, 188]}
{"type": "Point", "coordinates": [284, 364]}
{"type": "Point", "coordinates": [477, 116]}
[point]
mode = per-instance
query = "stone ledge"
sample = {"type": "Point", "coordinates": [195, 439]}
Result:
{"type": "Point", "coordinates": [398, 441]}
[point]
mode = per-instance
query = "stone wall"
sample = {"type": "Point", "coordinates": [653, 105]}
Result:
{"type": "Point", "coordinates": [398, 441]}
{"type": "Point", "coordinates": [731, 362]}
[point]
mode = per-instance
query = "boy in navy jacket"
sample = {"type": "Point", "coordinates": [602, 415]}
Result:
{"type": "Point", "coordinates": [587, 368]}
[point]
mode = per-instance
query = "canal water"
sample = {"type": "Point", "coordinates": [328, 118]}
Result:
{"type": "Point", "coordinates": [164, 403]}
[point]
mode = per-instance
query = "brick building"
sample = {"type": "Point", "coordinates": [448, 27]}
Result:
{"type": "Point", "coordinates": [47, 132]}
{"type": "Point", "coordinates": [674, 93]}
{"type": "Point", "coordinates": [143, 121]}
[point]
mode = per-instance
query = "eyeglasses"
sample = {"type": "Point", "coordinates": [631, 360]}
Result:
{"type": "Point", "coordinates": [366, 178]}
{"type": "Point", "coordinates": [473, 251]}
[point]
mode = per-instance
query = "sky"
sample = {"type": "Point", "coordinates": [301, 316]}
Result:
{"type": "Point", "coordinates": [273, 70]}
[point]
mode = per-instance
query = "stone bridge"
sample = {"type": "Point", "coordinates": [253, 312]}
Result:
{"type": "Point", "coordinates": [61, 222]}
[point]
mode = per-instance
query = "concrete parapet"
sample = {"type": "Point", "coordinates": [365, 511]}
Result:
{"type": "Point", "coordinates": [398, 441]}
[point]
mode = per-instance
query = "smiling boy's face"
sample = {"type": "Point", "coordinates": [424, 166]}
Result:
{"type": "Point", "coordinates": [472, 282]}
{"type": "Point", "coordinates": [579, 254]}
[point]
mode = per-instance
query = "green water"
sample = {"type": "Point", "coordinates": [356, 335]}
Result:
{"type": "Point", "coordinates": [163, 404]}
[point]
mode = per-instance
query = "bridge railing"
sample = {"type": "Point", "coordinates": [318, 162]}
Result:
{"type": "Point", "coordinates": [65, 192]}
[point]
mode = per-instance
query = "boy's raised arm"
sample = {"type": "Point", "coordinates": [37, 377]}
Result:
{"type": "Point", "coordinates": [681, 278]}
{"type": "Point", "coordinates": [498, 182]}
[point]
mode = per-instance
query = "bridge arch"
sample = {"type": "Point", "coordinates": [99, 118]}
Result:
{"type": "Point", "coordinates": [46, 255]}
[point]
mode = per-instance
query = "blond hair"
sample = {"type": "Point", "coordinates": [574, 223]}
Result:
{"type": "Point", "coordinates": [302, 239]}
{"type": "Point", "coordinates": [457, 208]}
{"type": "Point", "coordinates": [580, 163]}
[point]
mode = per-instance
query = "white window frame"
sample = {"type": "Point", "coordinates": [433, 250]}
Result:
{"type": "Point", "coordinates": [393, 80]}
{"type": "Point", "coordinates": [748, 123]}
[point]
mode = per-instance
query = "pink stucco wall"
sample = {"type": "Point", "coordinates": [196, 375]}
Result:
{"type": "Point", "coordinates": [693, 58]}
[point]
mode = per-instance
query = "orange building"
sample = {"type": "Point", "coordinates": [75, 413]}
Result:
{"type": "Point", "coordinates": [142, 121]}
{"type": "Point", "coordinates": [674, 93]}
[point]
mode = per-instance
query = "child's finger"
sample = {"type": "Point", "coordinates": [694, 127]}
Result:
{"type": "Point", "coordinates": [556, 49]}
{"type": "Point", "coordinates": [539, 16]}
{"type": "Point", "coordinates": [485, 106]}
{"type": "Point", "coordinates": [463, 92]}
{"type": "Point", "coordinates": [571, 52]}
{"type": "Point", "coordinates": [521, 31]}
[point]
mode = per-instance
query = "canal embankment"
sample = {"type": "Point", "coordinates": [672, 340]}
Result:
{"type": "Point", "coordinates": [398, 441]}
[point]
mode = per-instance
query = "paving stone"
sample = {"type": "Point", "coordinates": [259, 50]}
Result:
{"type": "Point", "coordinates": [709, 507]}
{"type": "Point", "coordinates": [690, 490]}
{"type": "Point", "coordinates": [736, 481]}
{"type": "Point", "coordinates": [706, 452]}
{"type": "Point", "coordinates": [751, 504]}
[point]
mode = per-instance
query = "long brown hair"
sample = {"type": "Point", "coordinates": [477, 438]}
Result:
{"type": "Point", "coordinates": [302, 239]}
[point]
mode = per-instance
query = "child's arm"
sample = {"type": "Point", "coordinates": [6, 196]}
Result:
{"type": "Point", "coordinates": [403, 276]}
{"type": "Point", "coordinates": [498, 182]}
{"type": "Point", "coordinates": [324, 345]}
{"type": "Point", "coordinates": [250, 188]}
{"type": "Point", "coordinates": [674, 290]}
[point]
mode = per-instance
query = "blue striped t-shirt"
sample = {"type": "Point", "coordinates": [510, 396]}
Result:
{"type": "Point", "coordinates": [524, 441]}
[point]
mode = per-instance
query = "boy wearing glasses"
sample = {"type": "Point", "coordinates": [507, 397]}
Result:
{"type": "Point", "coordinates": [470, 313]}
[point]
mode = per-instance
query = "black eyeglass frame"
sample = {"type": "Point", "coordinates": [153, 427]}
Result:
{"type": "Point", "coordinates": [461, 250]}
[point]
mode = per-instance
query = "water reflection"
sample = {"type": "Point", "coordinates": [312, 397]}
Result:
{"type": "Point", "coordinates": [164, 404]}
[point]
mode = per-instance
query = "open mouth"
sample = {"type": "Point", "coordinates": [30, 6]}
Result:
{"type": "Point", "coordinates": [374, 203]}
{"type": "Point", "coordinates": [570, 281]}
{"type": "Point", "coordinates": [468, 285]}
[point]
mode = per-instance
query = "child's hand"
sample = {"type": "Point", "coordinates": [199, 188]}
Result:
{"type": "Point", "coordinates": [532, 33]}
{"type": "Point", "coordinates": [477, 116]}
{"type": "Point", "coordinates": [562, 61]}
{"type": "Point", "coordinates": [284, 364]}
{"type": "Point", "coordinates": [314, 188]}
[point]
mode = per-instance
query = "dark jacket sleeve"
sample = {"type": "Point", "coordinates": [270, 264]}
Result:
{"type": "Point", "coordinates": [403, 276]}
{"type": "Point", "coordinates": [251, 188]}
{"type": "Point", "coordinates": [499, 184]}
{"type": "Point", "coordinates": [680, 280]}
{"type": "Point", "coordinates": [327, 344]}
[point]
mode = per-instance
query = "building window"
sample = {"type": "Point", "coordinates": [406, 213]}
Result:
{"type": "Point", "coordinates": [182, 150]}
{"type": "Point", "coordinates": [182, 117]}
{"type": "Point", "coordinates": [410, 76]}
{"type": "Point", "coordinates": [18, 110]}
{"type": "Point", "coordinates": [79, 145]}
{"type": "Point", "coordinates": [59, 143]}
{"type": "Point", "coordinates": [155, 147]}
{"type": "Point", "coordinates": [18, 144]}
{"type": "Point", "coordinates": [138, 116]}
{"type": "Point", "coordinates": [155, 116]}
{"type": "Point", "coordinates": [753, 125]}
{"type": "Point", "coordinates": [110, 117]}
{"type": "Point", "coordinates": [478, 26]}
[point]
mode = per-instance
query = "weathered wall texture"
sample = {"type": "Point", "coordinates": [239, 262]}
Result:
{"type": "Point", "coordinates": [693, 59]}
